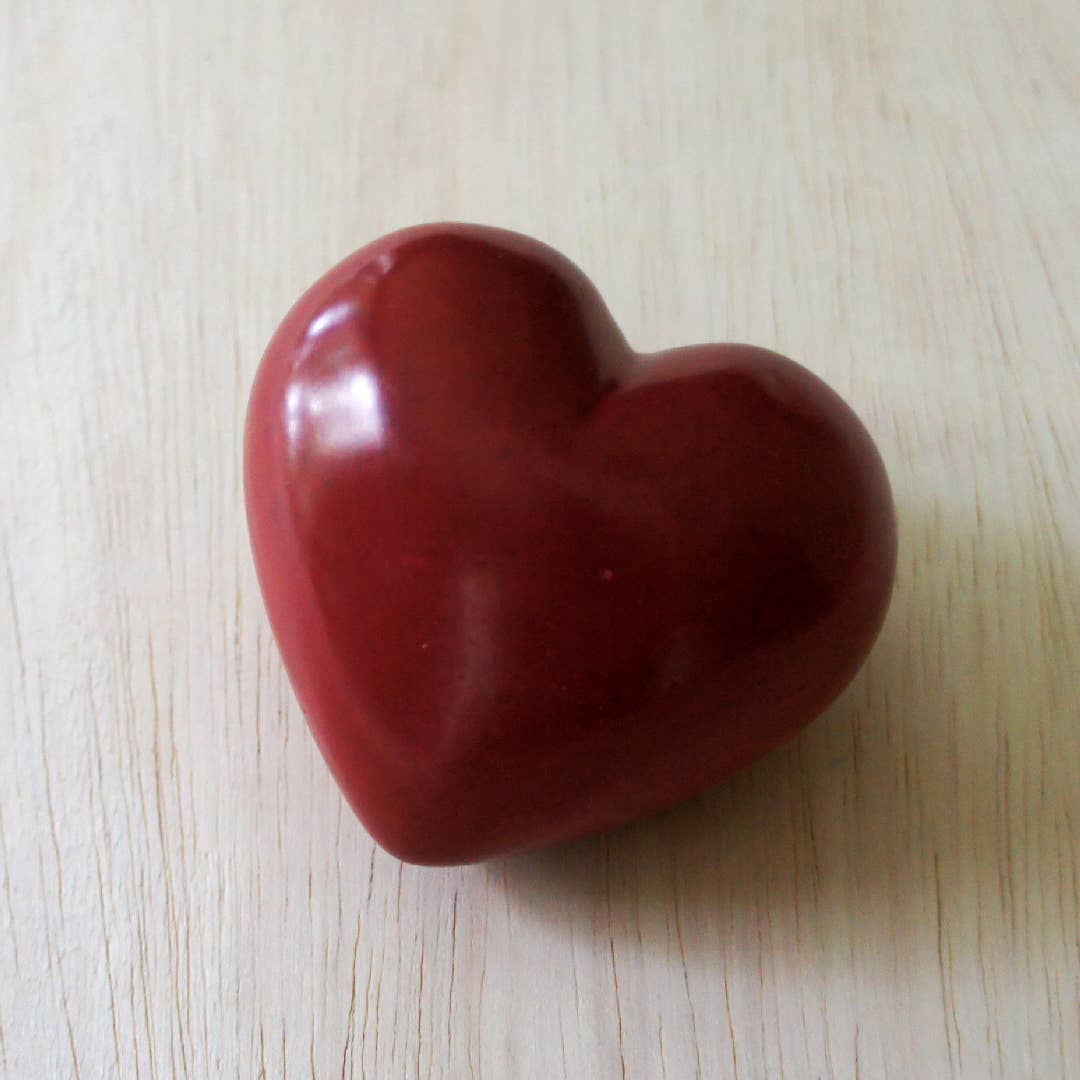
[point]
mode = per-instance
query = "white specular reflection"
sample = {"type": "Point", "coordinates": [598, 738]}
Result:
{"type": "Point", "coordinates": [342, 413]}
{"type": "Point", "coordinates": [332, 317]}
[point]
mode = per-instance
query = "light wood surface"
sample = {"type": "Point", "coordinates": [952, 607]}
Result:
{"type": "Point", "coordinates": [889, 192]}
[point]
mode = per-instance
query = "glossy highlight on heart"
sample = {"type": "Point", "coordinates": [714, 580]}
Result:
{"type": "Point", "coordinates": [529, 584]}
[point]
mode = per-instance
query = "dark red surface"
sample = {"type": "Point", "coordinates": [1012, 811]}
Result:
{"type": "Point", "coordinates": [528, 584]}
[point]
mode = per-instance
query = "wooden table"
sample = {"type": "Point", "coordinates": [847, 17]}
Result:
{"type": "Point", "coordinates": [888, 192]}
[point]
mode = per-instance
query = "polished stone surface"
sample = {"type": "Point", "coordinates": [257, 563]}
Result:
{"type": "Point", "coordinates": [528, 584]}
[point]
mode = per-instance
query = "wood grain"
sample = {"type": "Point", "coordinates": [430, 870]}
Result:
{"type": "Point", "coordinates": [886, 191]}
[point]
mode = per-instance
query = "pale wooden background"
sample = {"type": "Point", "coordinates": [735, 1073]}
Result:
{"type": "Point", "coordinates": [890, 192]}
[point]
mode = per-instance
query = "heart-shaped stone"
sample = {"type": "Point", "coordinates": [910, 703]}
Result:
{"type": "Point", "coordinates": [528, 584]}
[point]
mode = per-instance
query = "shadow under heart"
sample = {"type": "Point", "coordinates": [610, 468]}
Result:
{"type": "Point", "coordinates": [917, 815]}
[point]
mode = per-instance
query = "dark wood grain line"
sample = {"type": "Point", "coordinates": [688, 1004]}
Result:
{"type": "Point", "coordinates": [5, 857]}
{"type": "Point", "coordinates": [351, 1018]}
{"type": "Point", "coordinates": [611, 950]}
{"type": "Point", "coordinates": [106, 933]}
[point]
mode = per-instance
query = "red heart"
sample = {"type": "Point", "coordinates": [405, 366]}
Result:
{"type": "Point", "coordinates": [525, 586]}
